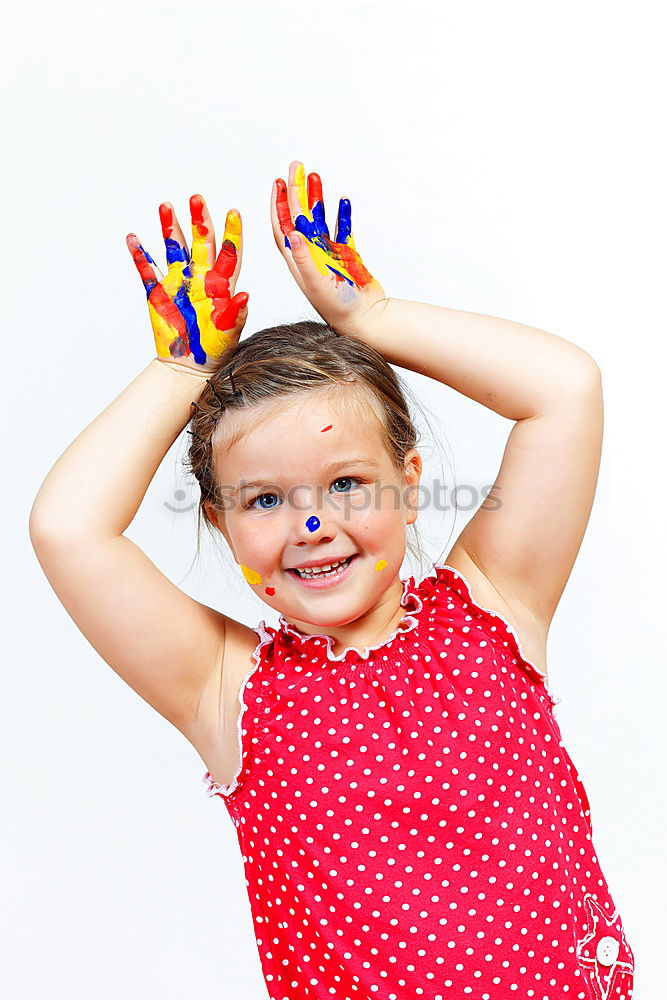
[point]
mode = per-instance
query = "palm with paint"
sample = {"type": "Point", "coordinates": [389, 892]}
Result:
{"type": "Point", "coordinates": [330, 273]}
{"type": "Point", "coordinates": [196, 316]}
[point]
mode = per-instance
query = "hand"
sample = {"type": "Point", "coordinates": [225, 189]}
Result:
{"type": "Point", "coordinates": [331, 274]}
{"type": "Point", "coordinates": [195, 319]}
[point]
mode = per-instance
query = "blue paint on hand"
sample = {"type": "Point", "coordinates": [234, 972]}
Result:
{"type": "Point", "coordinates": [344, 228]}
{"type": "Point", "coordinates": [175, 252]}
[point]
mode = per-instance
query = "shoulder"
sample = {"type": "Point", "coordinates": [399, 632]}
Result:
{"type": "Point", "coordinates": [531, 632]}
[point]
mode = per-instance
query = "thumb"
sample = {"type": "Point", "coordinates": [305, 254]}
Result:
{"type": "Point", "coordinates": [298, 246]}
{"type": "Point", "coordinates": [303, 257]}
{"type": "Point", "coordinates": [310, 262]}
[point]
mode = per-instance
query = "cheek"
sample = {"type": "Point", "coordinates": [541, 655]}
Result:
{"type": "Point", "coordinates": [383, 519]}
{"type": "Point", "coordinates": [254, 541]}
{"type": "Point", "coordinates": [262, 539]}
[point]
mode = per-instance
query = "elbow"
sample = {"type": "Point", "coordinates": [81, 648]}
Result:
{"type": "Point", "coordinates": [578, 379]}
{"type": "Point", "coordinates": [38, 520]}
{"type": "Point", "coordinates": [591, 366]}
{"type": "Point", "coordinates": [37, 530]}
{"type": "Point", "coordinates": [43, 529]}
{"type": "Point", "coordinates": [585, 375]}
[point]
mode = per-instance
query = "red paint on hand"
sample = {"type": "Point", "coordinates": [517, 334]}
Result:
{"type": "Point", "coordinates": [353, 265]}
{"type": "Point", "coordinates": [314, 190]}
{"type": "Point", "coordinates": [167, 221]}
{"type": "Point", "coordinates": [282, 208]}
{"type": "Point", "coordinates": [197, 214]}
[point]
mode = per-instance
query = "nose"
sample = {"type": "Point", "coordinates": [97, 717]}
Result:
{"type": "Point", "coordinates": [317, 536]}
{"type": "Point", "coordinates": [311, 527]}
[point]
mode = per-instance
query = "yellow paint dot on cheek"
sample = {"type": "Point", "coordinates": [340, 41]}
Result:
{"type": "Point", "coordinates": [382, 564]}
{"type": "Point", "coordinates": [250, 575]}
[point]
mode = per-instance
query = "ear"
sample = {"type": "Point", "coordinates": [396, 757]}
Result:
{"type": "Point", "coordinates": [412, 470]}
{"type": "Point", "coordinates": [218, 521]}
{"type": "Point", "coordinates": [212, 514]}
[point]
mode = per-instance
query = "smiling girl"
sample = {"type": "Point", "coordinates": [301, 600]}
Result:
{"type": "Point", "coordinates": [410, 822]}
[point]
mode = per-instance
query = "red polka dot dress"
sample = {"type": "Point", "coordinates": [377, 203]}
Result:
{"type": "Point", "coordinates": [410, 822]}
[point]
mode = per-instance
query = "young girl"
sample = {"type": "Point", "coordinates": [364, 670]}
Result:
{"type": "Point", "coordinates": [409, 820]}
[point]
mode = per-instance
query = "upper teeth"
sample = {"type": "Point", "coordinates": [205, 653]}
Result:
{"type": "Point", "coordinates": [316, 570]}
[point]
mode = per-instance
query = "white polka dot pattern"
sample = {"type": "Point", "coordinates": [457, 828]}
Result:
{"type": "Point", "coordinates": [410, 822]}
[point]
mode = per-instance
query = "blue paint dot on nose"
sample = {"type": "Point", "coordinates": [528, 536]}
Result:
{"type": "Point", "coordinates": [313, 523]}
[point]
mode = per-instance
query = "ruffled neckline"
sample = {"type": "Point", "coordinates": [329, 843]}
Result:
{"type": "Point", "coordinates": [410, 599]}
{"type": "Point", "coordinates": [413, 598]}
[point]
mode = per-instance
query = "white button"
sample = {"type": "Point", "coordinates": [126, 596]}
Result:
{"type": "Point", "coordinates": [607, 950]}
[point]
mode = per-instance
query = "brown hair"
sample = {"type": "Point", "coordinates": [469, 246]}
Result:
{"type": "Point", "coordinates": [288, 360]}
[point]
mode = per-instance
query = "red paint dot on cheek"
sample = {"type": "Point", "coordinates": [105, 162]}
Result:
{"type": "Point", "coordinates": [270, 591]}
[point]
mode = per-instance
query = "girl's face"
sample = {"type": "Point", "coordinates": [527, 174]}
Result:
{"type": "Point", "coordinates": [311, 485]}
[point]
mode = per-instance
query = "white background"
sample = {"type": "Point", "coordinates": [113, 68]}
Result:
{"type": "Point", "coordinates": [505, 158]}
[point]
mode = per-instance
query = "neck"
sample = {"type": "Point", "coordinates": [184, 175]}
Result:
{"type": "Point", "coordinates": [370, 629]}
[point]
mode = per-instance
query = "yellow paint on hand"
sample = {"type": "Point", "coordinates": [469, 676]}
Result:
{"type": "Point", "coordinates": [302, 193]}
{"type": "Point", "coordinates": [323, 261]}
{"type": "Point", "coordinates": [215, 342]}
{"type": "Point", "coordinates": [200, 252]}
{"type": "Point", "coordinates": [233, 229]}
{"type": "Point", "coordinates": [381, 564]}
{"type": "Point", "coordinates": [250, 575]}
{"type": "Point", "coordinates": [203, 307]}
{"type": "Point", "coordinates": [330, 260]}
{"type": "Point", "coordinates": [164, 332]}
{"type": "Point", "coordinates": [173, 279]}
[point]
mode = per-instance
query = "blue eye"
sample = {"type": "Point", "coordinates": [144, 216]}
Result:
{"type": "Point", "coordinates": [345, 479]}
{"type": "Point", "coordinates": [269, 501]}
{"type": "Point", "coordinates": [264, 496]}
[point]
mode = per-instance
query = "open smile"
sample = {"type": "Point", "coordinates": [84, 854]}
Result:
{"type": "Point", "coordinates": [319, 578]}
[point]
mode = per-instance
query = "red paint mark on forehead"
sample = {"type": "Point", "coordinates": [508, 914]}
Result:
{"type": "Point", "coordinates": [326, 428]}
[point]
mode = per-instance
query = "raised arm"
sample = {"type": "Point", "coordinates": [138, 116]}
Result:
{"type": "Point", "coordinates": [163, 643]}
{"type": "Point", "coordinates": [526, 536]}
{"type": "Point", "coordinates": [525, 542]}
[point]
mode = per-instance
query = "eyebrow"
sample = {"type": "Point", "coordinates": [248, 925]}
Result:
{"type": "Point", "coordinates": [329, 470]}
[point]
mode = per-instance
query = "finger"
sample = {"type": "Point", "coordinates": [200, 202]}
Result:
{"type": "Point", "coordinates": [280, 207]}
{"type": "Point", "coordinates": [314, 189]}
{"type": "Point", "coordinates": [282, 215]}
{"type": "Point", "coordinates": [226, 264]}
{"type": "Point", "coordinates": [233, 243]}
{"type": "Point", "coordinates": [281, 223]}
{"type": "Point", "coordinates": [148, 270]}
{"type": "Point", "coordinates": [203, 234]}
{"type": "Point", "coordinates": [171, 337]}
{"type": "Point", "coordinates": [316, 205]}
{"type": "Point", "coordinates": [296, 191]}
{"type": "Point", "coordinates": [233, 315]}
{"type": "Point", "coordinates": [174, 240]}
{"type": "Point", "coordinates": [310, 223]}
{"type": "Point", "coordinates": [344, 222]}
